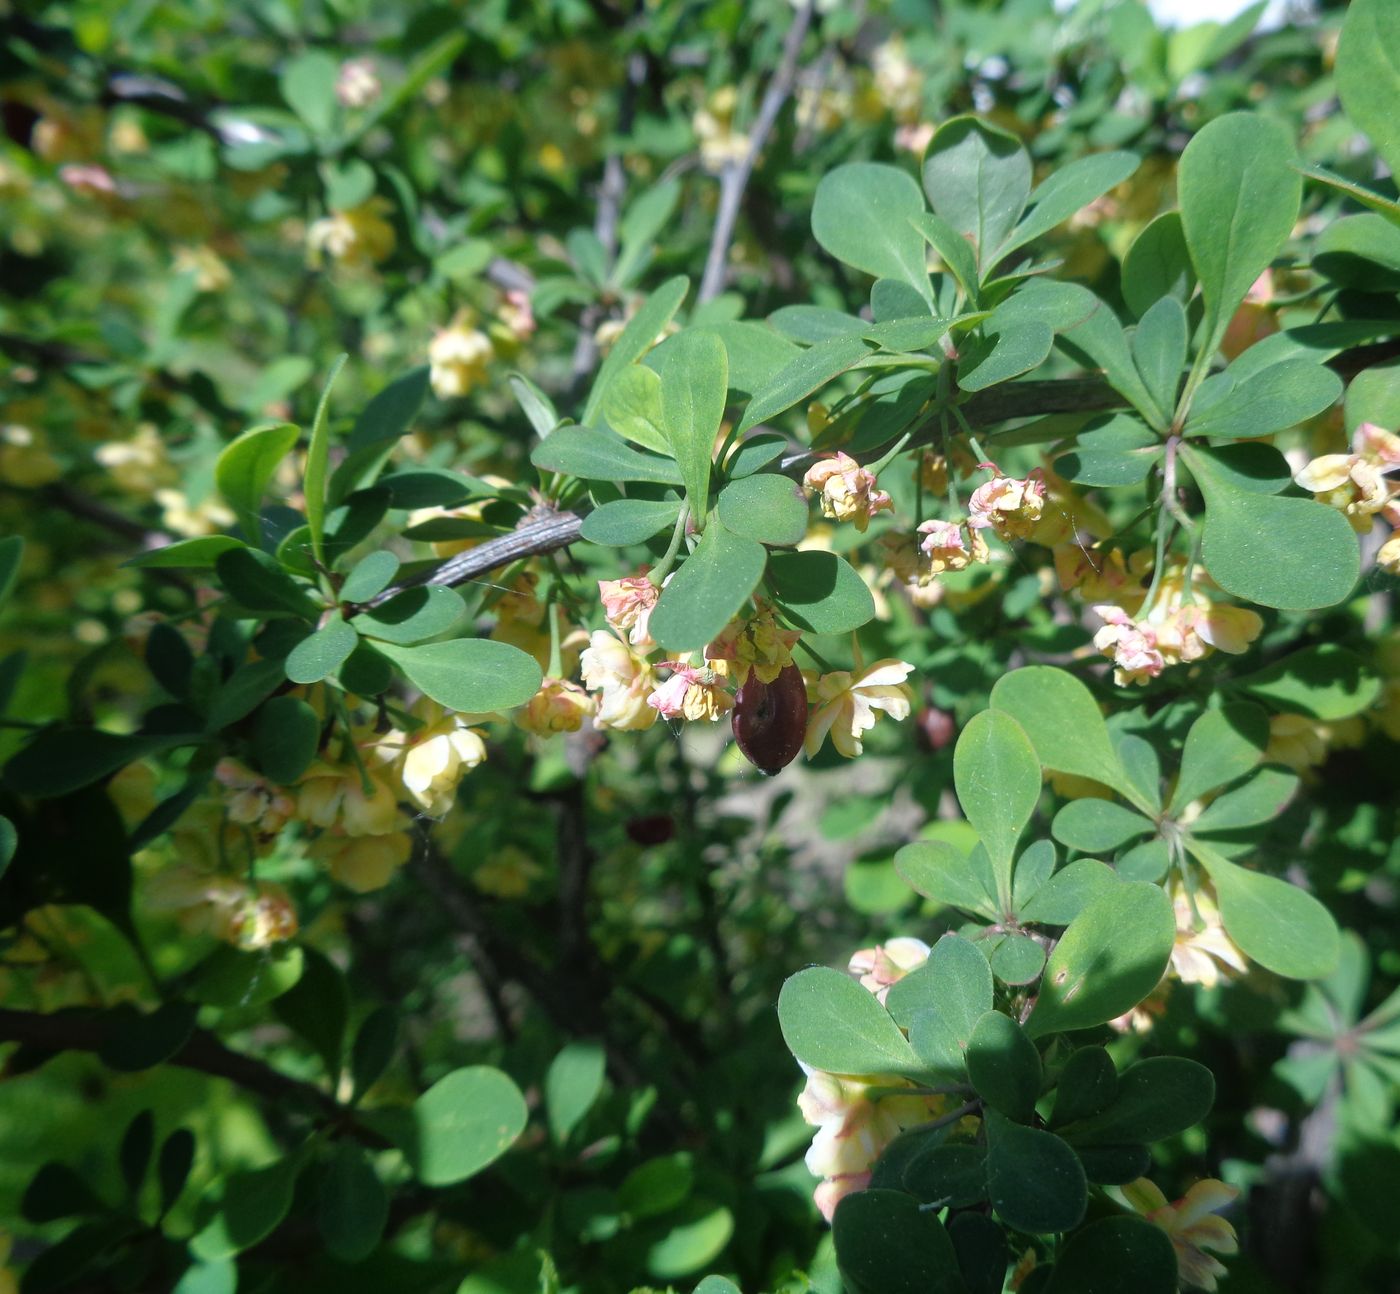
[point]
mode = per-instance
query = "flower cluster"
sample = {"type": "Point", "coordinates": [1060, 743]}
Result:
{"type": "Point", "coordinates": [460, 355]}
{"type": "Point", "coordinates": [1358, 486]}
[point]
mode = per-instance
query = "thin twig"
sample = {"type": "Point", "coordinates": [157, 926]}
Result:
{"type": "Point", "coordinates": [734, 178]}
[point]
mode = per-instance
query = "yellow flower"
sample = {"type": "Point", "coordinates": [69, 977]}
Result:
{"type": "Point", "coordinates": [756, 645]}
{"type": "Point", "coordinates": [897, 79]}
{"type": "Point", "coordinates": [559, 706]}
{"type": "Point", "coordinates": [25, 460]}
{"type": "Point", "coordinates": [1191, 1225]}
{"type": "Point", "coordinates": [335, 795]}
{"type": "Point", "coordinates": [626, 681]}
{"type": "Point", "coordinates": [846, 705]}
{"type": "Point", "coordinates": [460, 358]}
{"type": "Point", "coordinates": [1010, 506]}
{"type": "Point", "coordinates": [1302, 743]}
{"type": "Point", "coordinates": [138, 465]}
{"type": "Point", "coordinates": [363, 863]}
{"type": "Point", "coordinates": [1388, 556]}
{"type": "Point", "coordinates": [1355, 484]}
{"type": "Point", "coordinates": [357, 237]}
{"type": "Point", "coordinates": [435, 757]}
{"type": "Point", "coordinates": [1202, 947]}
{"type": "Point", "coordinates": [211, 272]}
{"type": "Point", "coordinates": [848, 491]}
{"type": "Point", "coordinates": [357, 84]}
{"type": "Point", "coordinates": [248, 916]}
{"type": "Point", "coordinates": [690, 692]}
{"type": "Point", "coordinates": [507, 874]}
{"type": "Point", "coordinates": [720, 143]}
{"type": "Point", "coordinates": [191, 519]}
{"type": "Point", "coordinates": [887, 963]}
{"type": "Point", "coordinates": [253, 801]}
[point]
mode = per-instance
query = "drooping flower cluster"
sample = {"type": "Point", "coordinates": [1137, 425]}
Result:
{"type": "Point", "coordinates": [1357, 484]}
{"type": "Point", "coordinates": [847, 491]}
{"type": "Point", "coordinates": [460, 356]}
{"type": "Point", "coordinates": [1192, 1224]}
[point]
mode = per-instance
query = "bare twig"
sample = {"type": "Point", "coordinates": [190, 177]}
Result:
{"type": "Point", "coordinates": [734, 178]}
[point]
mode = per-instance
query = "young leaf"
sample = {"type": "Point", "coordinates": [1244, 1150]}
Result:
{"type": "Point", "coordinates": [941, 1002]}
{"type": "Point", "coordinates": [471, 675]}
{"type": "Point", "coordinates": [317, 457]}
{"type": "Point", "coordinates": [601, 456]}
{"type": "Point", "coordinates": [831, 1023]}
{"type": "Point", "coordinates": [997, 776]}
{"type": "Point", "coordinates": [1239, 195]}
{"type": "Point", "coordinates": [629, 521]}
{"type": "Point", "coordinates": [463, 1123]}
{"type": "Point", "coordinates": [694, 387]}
{"type": "Point", "coordinates": [632, 408]}
{"type": "Point", "coordinates": [861, 215]}
{"type": "Point", "coordinates": [1111, 956]}
{"type": "Point", "coordinates": [713, 584]}
{"type": "Point", "coordinates": [806, 374]}
{"type": "Point", "coordinates": [308, 85]}
{"type": "Point", "coordinates": [187, 554]}
{"type": "Point", "coordinates": [953, 249]}
{"type": "Point", "coordinates": [321, 653]}
{"type": "Point", "coordinates": [245, 466]}
{"type": "Point", "coordinates": [1066, 894]}
{"type": "Point", "coordinates": [1221, 747]}
{"type": "Point", "coordinates": [636, 339]}
{"type": "Point", "coordinates": [978, 179]}
{"type": "Point", "coordinates": [534, 404]}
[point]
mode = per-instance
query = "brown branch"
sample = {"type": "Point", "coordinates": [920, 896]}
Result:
{"type": "Point", "coordinates": [734, 178]}
{"type": "Point", "coordinates": [91, 1031]}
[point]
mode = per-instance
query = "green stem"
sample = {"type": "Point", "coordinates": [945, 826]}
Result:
{"type": "Point", "coordinates": [876, 468]}
{"type": "Point", "coordinates": [556, 655]}
{"type": "Point", "coordinates": [663, 568]}
{"type": "Point", "coordinates": [826, 666]}
{"type": "Point", "coordinates": [347, 744]}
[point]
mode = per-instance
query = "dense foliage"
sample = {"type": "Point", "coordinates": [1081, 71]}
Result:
{"type": "Point", "coordinates": [532, 533]}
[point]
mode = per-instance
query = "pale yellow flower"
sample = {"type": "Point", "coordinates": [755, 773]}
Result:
{"type": "Point", "coordinates": [459, 358]}
{"type": "Point", "coordinates": [1131, 646]}
{"type": "Point", "coordinates": [720, 143]}
{"type": "Point", "coordinates": [1202, 947]}
{"type": "Point", "coordinates": [433, 759]}
{"type": "Point", "coordinates": [339, 796]}
{"type": "Point", "coordinates": [628, 604]}
{"type": "Point", "coordinates": [1191, 1224]}
{"type": "Point", "coordinates": [847, 490]}
{"type": "Point", "coordinates": [691, 693]}
{"type": "Point", "coordinates": [180, 515]}
{"type": "Point", "coordinates": [357, 84]}
{"type": "Point", "coordinates": [360, 236]}
{"type": "Point", "coordinates": [559, 706]}
{"type": "Point", "coordinates": [210, 270]}
{"type": "Point", "coordinates": [138, 465]}
{"type": "Point", "coordinates": [363, 863]}
{"type": "Point", "coordinates": [756, 644]}
{"type": "Point", "coordinates": [25, 460]}
{"type": "Point", "coordinates": [886, 964]}
{"type": "Point", "coordinates": [1302, 742]}
{"type": "Point", "coordinates": [248, 916]}
{"type": "Point", "coordinates": [625, 680]}
{"type": "Point", "coordinates": [846, 704]}
{"type": "Point", "coordinates": [507, 874]}
{"type": "Point", "coordinates": [251, 800]}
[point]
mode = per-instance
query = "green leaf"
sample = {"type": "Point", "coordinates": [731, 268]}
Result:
{"type": "Point", "coordinates": [1068, 189]}
{"type": "Point", "coordinates": [633, 408]}
{"type": "Point", "coordinates": [861, 215]}
{"type": "Point", "coordinates": [767, 507]}
{"type": "Point", "coordinates": [173, 1166]}
{"type": "Point", "coordinates": [694, 387]}
{"type": "Point", "coordinates": [953, 249]}
{"type": "Point", "coordinates": [244, 690]}
{"type": "Point", "coordinates": [1100, 337]}
{"type": "Point", "coordinates": [601, 456]}
{"type": "Point", "coordinates": [938, 871]}
{"type": "Point", "coordinates": [1368, 198]}
{"type": "Point", "coordinates": [572, 1085]}
{"type": "Point", "coordinates": [812, 324]}
{"type": "Point", "coordinates": [1239, 196]}
{"type": "Point", "coordinates": [220, 1277]}
{"type": "Point", "coordinates": [643, 221]}
{"type": "Point", "coordinates": [629, 521]}
{"type": "Point", "coordinates": [694, 1238]}
{"type": "Point", "coordinates": [636, 339]}
{"type": "Point", "coordinates": [1276, 924]}
{"type": "Point", "coordinates": [1059, 715]}
{"type": "Point", "coordinates": [316, 1008]}
{"type": "Point", "coordinates": [134, 1156]}
{"type": "Point", "coordinates": [1145, 862]}
{"type": "Point", "coordinates": [245, 466]}
{"type": "Point", "coordinates": [1261, 799]}
{"type": "Point", "coordinates": [820, 592]}
{"type": "Point", "coordinates": [1096, 826]}
{"type": "Point", "coordinates": [1158, 265]}
{"type": "Point", "coordinates": [1017, 959]}
{"type": "Point", "coordinates": [657, 1185]}
{"type": "Point", "coordinates": [1368, 74]}
{"type": "Point", "coordinates": [354, 1205]}
{"type": "Point", "coordinates": [373, 1050]}
{"type": "Point", "coordinates": [285, 739]}
{"type": "Point", "coordinates": [321, 653]}
{"type": "Point", "coordinates": [1015, 349]}
{"type": "Point", "coordinates": [1154, 1099]}
{"type": "Point", "coordinates": [830, 1022]}
{"type": "Point", "coordinates": [307, 83]}
{"type": "Point", "coordinates": [1111, 956]}
{"type": "Point", "coordinates": [1116, 1254]}
{"type": "Point", "coordinates": [60, 760]}
{"type": "Point", "coordinates": [1361, 253]}
{"type": "Point", "coordinates": [709, 588]}
{"type": "Point", "coordinates": [955, 1174]}
{"type": "Point", "coordinates": [887, 1244]}
{"type": "Point", "coordinates": [1086, 1086]}
{"type": "Point", "coordinates": [1221, 747]}
{"type": "Point", "coordinates": [997, 776]}
{"type": "Point", "coordinates": [978, 179]}
{"type": "Point", "coordinates": [756, 353]}
{"type": "Point", "coordinates": [1327, 682]}
{"type": "Point", "coordinates": [390, 413]}
{"type": "Point", "coordinates": [804, 376]}
{"type": "Point", "coordinates": [257, 582]}
{"type": "Point", "coordinates": [1293, 554]}
{"type": "Point", "coordinates": [9, 841]}
{"type": "Point", "coordinates": [1066, 894]}
{"type": "Point", "coordinates": [370, 576]}
{"type": "Point", "coordinates": [1374, 396]}
{"type": "Point", "coordinates": [411, 616]}
{"type": "Point", "coordinates": [463, 1123]}
{"type": "Point", "coordinates": [144, 1040]}
{"type": "Point", "coordinates": [1159, 350]}
{"type": "Point", "coordinates": [1034, 1180]}
{"type": "Point", "coordinates": [941, 1002]}
{"type": "Point", "coordinates": [230, 978]}
{"type": "Point", "coordinates": [252, 1206]}
{"type": "Point", "coordinates": [317, 457]}
{"type": "Point", "coordinates": [717, 1285]}
{"type": "Point", "coordinates": [1275, 399]}
{"type": "Point", "coordinates": [907, 336]}
{"type": "Point", "coordinates": [1004, 1066]}
{"type": "Point", "coordinates": [754, 454]}
{"type": "Point", "coordinates": [187, 554]}
{"type": "Point", "coordinates": [534, 404]}
{"type": "Point", "coordinates": [1121, 451]}
{"type": "Point", "coordinates": [470, 675]}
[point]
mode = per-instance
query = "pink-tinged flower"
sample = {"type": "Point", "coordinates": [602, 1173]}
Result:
{"type": "Point", "coordinates": [846, 704]}
{"type": "Point", "coordinates": [88, 179]}
{"type": "Point", "coordinates": [627, 605]}
{"type": "Point", "coordinates": [1010, 506]}
{"type": "Point", "coordinates": [625, 679]}
{"type": "Point", "coordinates": [1131, 646]}
{"type": "Point", "coordinates": [252, 800]}
{"type": "Point", "coordinates": [516, 314]}
{"type": "Point", "coordinates": [848, 491]}
{"type": "Point", "coordinates": [357, 85]}
{"type": "Point", "coordinates": [756, 644]}
{"type": "Point", "coordinates": [1376, 445]}
{"type": "Point", "coordinates": [854, 1128]}
{"type": "Point", "coordinates": [690, 693]}
{"type": "Point", "coordinates": [887, 963]}
{"type": "Point", "coordinates": [1202, 947]}
{"type": "Point", "coordinates": [559, 706]}
{"type": "Point", "coordinates": [950, 546]}
{"type": "Point", "coordinates": [1191, 1224]}
{"type": "Point", "coordinates": [1227, 628]}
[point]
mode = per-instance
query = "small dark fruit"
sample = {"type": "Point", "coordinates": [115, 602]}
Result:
{"type": "Point", "coordinates": [770, 720]}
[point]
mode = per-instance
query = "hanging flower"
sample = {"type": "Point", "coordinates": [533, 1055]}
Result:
{"type": "Point", "coordinates": [1010, 506]}
{"type": "Point", "coordinates": [360, 236]}
{"type": "Point", "coordinates": [433, 759]}
{"type": "Point", "coordinates": [848, 491]}
{"type": "Point", "coordinates": [559, 706]}
{"type": "Point", "coordinates": [1191, 1224]}
{"type": "Point", "coordinates": [757, 644]}
{"type": "Point", "coordinates": [625, 679]}
{"type": "Point", "coordinates": [627, 606]}
{"type": "Point", "coordinates": [1131, 646]}
{"type": "Point", "coordinates": [888, 963]}
{"type": "Point", "coordinates": [847, 704]}
{"type": "Point", "coordinates": [357, 85]}
{"type": "Point", "coordinates": [1355, 484]}
{"type": "Point", "coordinates": [253, 801]}
{"type": "Point", "coordinates": [459, 358]}
{"type": "Point", "coordinates": [1202, 947]}
{"type": "Point", "coordinates": [950, 546]}
{"type": "Point", "coordinates": [691, 693]}
{"type": "Point", "coordinates": [363, 863]}
{"type": "Point", "coordinates": [340, 796]}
